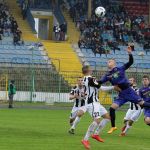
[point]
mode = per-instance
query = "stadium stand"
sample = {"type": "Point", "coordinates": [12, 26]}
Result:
{"type": "Point", "coordinates": [71, 29]}
{"type": "Point", "coordinates": [27, 33]}
{"type": "Point", "coordinates": [22, 53]}
{"type": "Point", "coordinates": [13, 49]}
{"type": "Point", "coordinates": [102, 38]}
{"type": "Point", "coordinates": [63, 52]}
{"type": "Point", "coordinates": [136, 7]}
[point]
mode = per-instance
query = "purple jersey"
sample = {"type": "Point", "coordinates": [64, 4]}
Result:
{"type": "Point", "coordinates": [117, 75]}
{"type": "Point", "coordinates": [144, 93]}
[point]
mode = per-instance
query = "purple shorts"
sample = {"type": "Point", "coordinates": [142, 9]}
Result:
{"type": "Point", "coordinates": [128, 95]}
{"type": "Point", "coordinates": [147, 112]}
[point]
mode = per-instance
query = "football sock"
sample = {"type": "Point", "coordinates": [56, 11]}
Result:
{"type": "Point", "coordinates": [90, 130]}
{"type": "Point", "coordinates": [101, 126]}
{"type": "Point", "coordinates": [127, 128]}
{"type": "Point", "coordinates": [76, 121]}
{"type": "Point", "coordinates": [113, 116]}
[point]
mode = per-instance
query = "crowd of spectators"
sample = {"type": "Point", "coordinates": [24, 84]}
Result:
{"type": "Point", "coordinates": [105, 34]}
{"type": "Point", "coordinates": [8, 25]}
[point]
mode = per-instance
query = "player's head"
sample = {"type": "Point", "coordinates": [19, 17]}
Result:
{"type": "Point", "coordinates": [146, 80]}
{"type": "Point", "coordinates": [80, 81]}
{"type": "Point", "coordinates": [132, 81]}
{"type": "Point", "coordinates": [111, 63]}
{"type": "Point", "coordinates": [86, 70]}
{"type": "Point", "coordinates": [12, 81]}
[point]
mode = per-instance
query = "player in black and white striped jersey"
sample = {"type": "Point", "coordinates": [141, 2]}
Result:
{"type": "Point", "coordinates": [76, 94]}
{"type": "Point", "coordinates": [93, 107]}
{"type": "Point", "coordinates": [134, 112]}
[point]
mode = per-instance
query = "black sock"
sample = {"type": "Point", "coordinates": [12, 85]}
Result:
{"type": "Point", "coordinates": [146, 105]}
{"type": "Point", "coordinates": [148, 124]}
{"type": "Point", "coordinates": [112, 116]}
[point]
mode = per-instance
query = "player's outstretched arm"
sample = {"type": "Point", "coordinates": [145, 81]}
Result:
{"type": "Point", "coordinates": [131, 60]}
{"type": "Point", "coordinates": [107, 88]}
{"type": "Point", "coordinates": [94, 83]}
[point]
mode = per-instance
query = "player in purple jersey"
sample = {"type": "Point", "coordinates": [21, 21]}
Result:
{"type": "Point", "coordinates": [116, 76]}
{"type": "Point", "coordinates": [144, 92]}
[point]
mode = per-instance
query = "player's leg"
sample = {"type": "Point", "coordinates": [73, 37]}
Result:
{"type": "Point", "coordinates": [127, 127]}
{"type": "Point", "coordinates": [73, 115]}
{"type": "Point", "coordinates": [134, 116]}
{"type": "Point", "coordinates": [80, 113]}
{"type": "Point", "coordinates": [93, 109]}
{"type": "Point", "coordinates": [10, 101]}
{"type": "Point", "coordinates": [117, 103]}
{"type": "Point", "coordinates": [126, 119]}
{"type": "Point", "coordinates": [135, 98]}
{"type": "Point", "coordinates": [147, 121]}
{"type": "Point", "coordinates": [71, 121]}
{"type": "Point", "coordinates": [104, 121]}
{"type": "Point", "coordinates": [112, 113]}
{"type": "Point", "coordinates": [147, 116]}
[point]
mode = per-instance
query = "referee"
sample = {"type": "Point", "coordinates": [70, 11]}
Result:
{"type": "Point", "coordinates": [11, 93]}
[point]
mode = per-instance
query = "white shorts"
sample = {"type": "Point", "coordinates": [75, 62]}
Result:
{"type": "Point", "coordinates": [133, 115]}
{"type": "Point", "coordinates": [74, 112]}
{"type": "Point", "coordinates": [96, 110]}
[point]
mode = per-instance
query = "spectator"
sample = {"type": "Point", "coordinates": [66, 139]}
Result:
{"type": "Point", "coordinates": [24, 9]}
{"type": "Point", "coordinates": [11, 93]}
{"type": "Point", "coordinates": [117, 27]}
{"type": "Point", "coordinates": [63, 30]}
{"type": "Point", "coordinates": [56, 30]}
{"type": "Point", "coordinates": [146, 47]}
{"type": "Point", "coordinates": [1, 33]}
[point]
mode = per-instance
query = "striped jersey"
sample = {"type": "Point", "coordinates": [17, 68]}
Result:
{"type": "Point", "coordinates": [79, 92]}
{"type": "Point", "coordinates": [134, 106]}
{"type": "Point", "coordinates": [91, 91]}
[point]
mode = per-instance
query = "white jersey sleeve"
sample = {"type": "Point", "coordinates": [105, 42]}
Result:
{"type": "Point", "coordinates": [106, 88]}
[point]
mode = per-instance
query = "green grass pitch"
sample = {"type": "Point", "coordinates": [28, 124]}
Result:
{"type": "Point", "coordinates": [30, 129]}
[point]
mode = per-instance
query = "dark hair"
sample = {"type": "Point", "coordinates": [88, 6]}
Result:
{"type": "Point", "coordinates": [85, 69]}
{"type": "Point", "coordinates": [12, 81]}
{"type": "Point", "coordinates": [146, 76]}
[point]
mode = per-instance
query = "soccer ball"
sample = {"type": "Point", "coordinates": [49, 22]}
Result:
{"type": "Point", "coordinates": [100, 11]}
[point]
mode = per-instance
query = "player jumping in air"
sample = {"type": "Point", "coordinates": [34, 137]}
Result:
{"type": "Point", "coordinates": [144, 92]}
{"type": "Point", "coordinates": [116, 76]}
{"type": "Point", "coordinates": [92, 105]}
{"type": "Point", "coordinates": [133, 113]}
{"type": "Point", "coordinates": [76, 94]}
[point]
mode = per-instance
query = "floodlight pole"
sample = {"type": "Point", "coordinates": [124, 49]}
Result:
{"type": "Point", "coordinates": [89, 9]}
{"type": "Point", "coordinates": [32, 76]}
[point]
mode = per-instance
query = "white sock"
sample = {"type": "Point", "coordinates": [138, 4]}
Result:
{"type": "Point", "coordinates": [76, 121]}
{"type": "Point", "coordinates": [90, 130]}
{"type": "Point", "coordinates": [101, 126]}
{"type": "Point", "coordinates": [127, 127]}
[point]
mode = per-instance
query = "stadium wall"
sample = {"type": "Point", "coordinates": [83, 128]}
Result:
{"type": "Point", "coordinates": [37, 96]}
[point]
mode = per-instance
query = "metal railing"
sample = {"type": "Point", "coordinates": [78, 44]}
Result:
{"type": "Point", "coordinates": [46, 84]}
